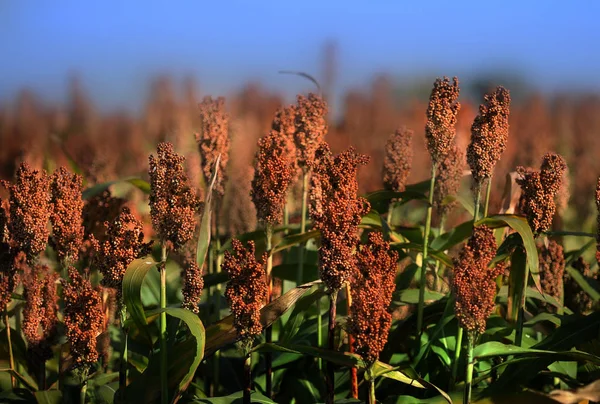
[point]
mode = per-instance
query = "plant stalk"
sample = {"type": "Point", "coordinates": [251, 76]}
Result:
{"type": "Point", "coordinates": [123, 367]}
{"type": "Point", "coordinates": [519, 331]}
{"type": "Point", "coordinates": [84, 386]}
{"type": "Point", "coordinates": [469, 370]}
{"type": "Point", "coordinates": [11, 358]}
{"type": "Point", "coordinates": [302, 227]}
{"type": "Point", "coordinates": [372, 399]}
{"type": "Point", "coordinates": [422, 280]}
{"type": "Point", "coordinates": [217, 299]}
{"type": "Point", "coordinates": [247, 378]}
{"type": "Point", "coordinates": [457, 349]}
{"type": "Point", "coordinates": [330, 375]}
{"type": "Point", "coordinates": [487, 197]}
{"type": "Point", "coordinates": [477, 203]}
{"type": "Point", "coordinates": [269, 330]}
{"type": "Point", "coordinates": [164, 389]}
{"type": "Point", "coordinates": [353, 370]}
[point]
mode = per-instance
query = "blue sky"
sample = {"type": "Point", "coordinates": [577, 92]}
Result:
{"type": "Point", "coordinates": [117, 46]}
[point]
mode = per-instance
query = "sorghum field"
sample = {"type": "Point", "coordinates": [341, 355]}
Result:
{"type": "Point", "coordinates": [244, 250]}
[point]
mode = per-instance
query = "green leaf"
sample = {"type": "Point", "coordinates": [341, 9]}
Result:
{"type": "Point", "coordinates": [455, 236]}
{"type": "Point", "coordinates": [297, 317]}
{"type": "Point", "coordinates": [341, 358]}
{"type": "Point", "coordinates": [583, 283]}
{"type": "Point", "coordinates": [48, 396]}
{"type": "Point", "coordinates": [495, 348]}
{"type": "Point", "coordinates": [25, 379]}
{"type": "Point", "coordinates": [132, 286]}
{"type": "Point", "coordinates": [438, 255]}
{"type": "Point", "coordinates": [99, 188]}
{"type": "Point", "coordinates": [236, 398]}
{"type": "Point", "coordinates": [295, 239]}
{"type": "Point", "coordinates": [310, 272]}
{"type": "Point", "coordinates": [411, 296]}
{"type": "Point", "coordinates": [386, 196]}
{"type": "Point", "coordinates": [384, 370]}
{"type": "Point", "coordinates": [517, 282]}
{"type": "Point", "coordinates": [371, 219]}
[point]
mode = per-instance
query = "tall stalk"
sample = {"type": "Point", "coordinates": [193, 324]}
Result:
{"type": "Point", "coordinates": [302, 226]}
{"type": "Point", "coordinates": [469, 369]}
{"type": "Point", "coordinates": [422, 282]}
{"type": "Point", "coordinates": [353, 370]}
{"type": "Point", "coordinates": [247, 378]}
{"type": "Point", "coordinates": [123, 366]}
{"type": "Point", "coordinates": [11, 358]}
{"type": "Point", "coordinates": [487, 197]}
{"type": "Point", "coordinates": [164, 393]}
{"type": "Point", "coordinates": [84, 386]}
{"type": "Point", "coordinates": [519, 331]}
{"type": "Point", "coordinates": [457, 350]}
{"type": "Point", "coordinates": [372, 398]}
{"type": "Point", "coordinates": [217, 297]}
{"type": "Point", "coordinates": [330, 375]}
{"type": "Point", "coordinates": [269, 330]}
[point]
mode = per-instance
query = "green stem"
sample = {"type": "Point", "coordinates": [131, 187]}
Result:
{"type": "Point", "coordinates": [84, 385]}
{"type": "Point", "coordinates": [302, 227]}
{"type": "Point", "coordinates": [477, 203]}
{"type": "Point", "coordinates": [422, 280]}
{"type": "Point", "coordinates": [11, 358]}
{"type": "Point", "coordinates": [372, 399]}
{"type": "Point", "coordinates": [330, 375]}
{"type": "Point", "coordinates": [269, 330]}
{"type": "Point", "coordinates": [217, 299]}
{"type": "Point", "coordinates": [469, 370]}
{"type": "Point", "coordinates": [247, 378]}
{"type": "Point", "coordinates": [123, 367]}
{"type": "Point", "coordinates": [457, 349]}
{"type": "Point", "coordinates": [487, 197]}
{"type": "Point", "coordinates": [164, 387]}
{"type": "Point", "coordinates": [519, 331]}
{"type": "Point", "coordinates": [390, 215]}
{"type": "Point", "coordinates": [437, 262]}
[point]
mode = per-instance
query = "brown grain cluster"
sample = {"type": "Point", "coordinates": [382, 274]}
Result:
{"type": "Point", "coordinates": [173, 202]}
{"type": "Point", "coordinates": [99, 209]}
{"type": "Point", "coordinates": [272, 177]}
{"type": "Point", "coordinates": [575, 297]}
{"type": "Point", "coordinates": [66, 217]}
{"type": "Point", "coordinates": [9, 275]}
{"type": "Point", "coordinates": [372, 288]}
{"type": "Point", "coordinates": [124, 242]}
{"type": "Point", "coordinates": [213, 140]}
{"type": "Point", "coordinates": [336, 210]}
{"type": "Point", "coordinates": [489, 134]}
{"type": "Point", "coordinates": [311, 128]}
{"type": "Point", "coordinates": [246, 290]}
{"type": "Point", "coordinates": [83, 318]}
{"type": "Point", "coordinates": [40, 314]}
{"type": "Point", "coordinates": [284, 124]}
{"type": "Point", "coordinates": [552, 269]}
{"type": "Point", "coordinates": [29, 211]}
{"type": "Point", "coordinates": [398, 160]}
{"type": "Point", "coordinates": [539, 190]}
{"type": "Point", "coordinates": [442, 112]}
{"type": "Point", "coordinates": [474, 282]}
{"type": "Point", "coordinates": [193, 283]}
{"type": "Point", "coordinates": [447, 180]}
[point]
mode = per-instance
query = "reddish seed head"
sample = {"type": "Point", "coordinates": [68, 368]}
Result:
{"type": "Point", "coordinates": [29, 211]}
{"type": "Point", "coordinates": [576, 298]}
{"type": "Point", "coordinates": [336, 210]}
{"type": "Point", "coordinates": [474, 282]}
{"type": "Point", "coordinates": [539, 190]}
{"type": "Point", "coordinates": [372, 288]}
{"type": "Point", "coordinates": [272, 177]}
{"type": "Point", "coordinates": [213, 140]}
{"type": "Point", "coordinates": [398, 160]}
{"type": "Point", "coordinates": [441, 117]}
{"type": "Point", "coordinates": [552, 268]}
{"type": "Point", "coordinates": [100, 209]}
{"type": "Point", "coordinates": [9, 275]}
{"type": "Point", "coordinates": [284, 124]}
{"type": "Point", "coordinates": [447, 180]}
{"type": "Point", "coordinates": [489, 135]}
{"type": "Point", "coordinates": [311, 128]}
{"type": "Point", "coordinates": [193, 283]}
{"type": "Point", "coordinates": [83, 318]}
{"type": "Point", "coordinates": [247, 288]}
{"type": "Point", "coordinates": [66, 214]}
{"type": "Point", "coordinates": [173, 203]}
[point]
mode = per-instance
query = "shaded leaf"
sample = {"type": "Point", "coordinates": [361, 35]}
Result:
{"type": "Point", "coordinates": [132, 286]}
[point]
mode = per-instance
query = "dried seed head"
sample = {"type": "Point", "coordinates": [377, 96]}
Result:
{"type": "Point", "coordinates": [241, 217]}
{"type": "Point", "coordinates": [398, 160]}
{"type": "Point", "coordinates": [246, 290]}
{"type": "Point", "coordinates": [193, 283]}
{"type": "Point", "coordinates": [29, 211]}
{"type": "Point", "coordinates": [489, 135]}
{"type": "Point", "coordinates": [474, 282]}
{"type": "Point", "coordinates": [97, 210]}
{"type": "Point", "coordinates": [272, 177]}
{"type": "Point", "coordinates": [9, 275]}
{"type": "Point", "coordinates": [552, 268]}
{"type": "Point", "coordinates": [123, 243]}
{"type": "Point", "coordinates": [441, 117]}
{"type": "Point", "coordinates": [337, 210]}
{"type": "Point", "coordinates": [213, 140]}
{"type": "Point", "coordinates": [66, 214]}
{"type": "Point", "coordinates": [83, 318]}
{"type": "Point", "coordinates": [372, 288]}
{"type": "Point", "coordinates": [284, 124]}
{"type": "Point", "coordinates": [311, 128]}
{"type": "Point", "coordinates": [576, 298]}
{"type": "Point", "coordinates": [41, 308]}
{"type": "Point", "coordinates": [447, 181]}
{"type": "Point", "coordinates": [539, 190]}
{"type": "Point", "coordinates": [173, 203]}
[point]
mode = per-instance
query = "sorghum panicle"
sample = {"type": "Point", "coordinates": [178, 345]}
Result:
{"type": "Point", "coordinates": [242, 214]}
{"type": "Point", "coordinates": [29, 211]}
{"type": "Point", "coordinates": [272, 177]}
{"type": "Point", "coordinates": [9, 276]}
{"type": "Point", "coordinates": [447, 180]}
{"type": "Point", "coordinates": [539, 191]}
{"type": "Point", "coordinates": [398, 160]}
{"type": "Point", "coordinates": [40, 314]}
{"type": "Point", "coordinates": [66, 214]}
{"type": "Point", "coordinates": [284, 124]}
{"type": "Point", "coordinates": [336, 210]}
{"type": "Point", "coordinates": [552, 268]}
{"type": "Point", "coordinates": [489, 134]}
{"type": "Point", "coordinates": [83, 318]}
{"type": "Point", "coordinates": [311, 128]}
{"type": "Point", "coordinates": [213, 140]}
{"type": "Point", "coordinates": [372, 288]}
{"type": "Point", "coordinates": [173, 202]}
{"type": "Point", "coordinates": [474, 282]}
{"type": "Point", "coordinates": [193, 283]}
{"type": "Point", "coordinates": [575, 297]}
{"type": "Point", "coordinates": [442, 112]}
{"type": "Point", "coordinates": [97, 211]}
{"type": "Point", "coordinates": [124, 242]}
{"type": "Point", "coordinates": [247, 288]}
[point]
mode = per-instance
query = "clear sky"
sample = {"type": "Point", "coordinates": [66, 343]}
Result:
{"type": "Point", "coordinates": [117, 46]}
